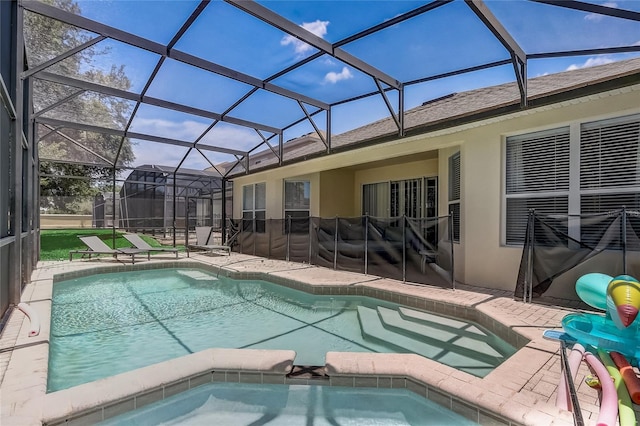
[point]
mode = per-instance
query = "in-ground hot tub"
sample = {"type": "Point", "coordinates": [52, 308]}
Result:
{"type": "Point", "coordinates": [232, 404]}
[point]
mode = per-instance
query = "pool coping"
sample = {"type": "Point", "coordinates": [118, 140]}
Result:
{"type": "Point", "coordinates": [501, 397]}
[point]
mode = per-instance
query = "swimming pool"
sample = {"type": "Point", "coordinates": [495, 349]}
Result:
{"type": "Point", "coordinates": [250, 404]}
{"type": "Point", "coordinates": [105, 324]}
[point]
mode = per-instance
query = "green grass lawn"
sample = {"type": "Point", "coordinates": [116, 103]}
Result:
{"type": "Point", "coordinates": [55, 244]}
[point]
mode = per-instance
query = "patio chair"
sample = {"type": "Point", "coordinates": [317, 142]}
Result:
{"type": "Point", "coordinates": [141, 244]}
{"type": "Point", "coordinates": [97, 246]}
{"type": "Point", "coordinates": [204, 241]}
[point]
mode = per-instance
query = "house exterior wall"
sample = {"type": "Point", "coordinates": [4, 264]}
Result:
{"type": "Point", "coordinates": [487, 261]}
{"type": "Point", "coordinates": [274, 183]}
{"type": "Point", "coordinates": [481, 258]}
{"type": "Point", "coordinates": [65, 221]}
{"type": "Point", "coordinates": [336, 194]}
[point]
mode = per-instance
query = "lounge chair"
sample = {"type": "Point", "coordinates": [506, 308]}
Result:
{"type": "Point", "coordinates": [97, 246]}
{"type": "Point", "coordinates": [204, 241]}
{"type": "Point", "coordinates": [141, 244]}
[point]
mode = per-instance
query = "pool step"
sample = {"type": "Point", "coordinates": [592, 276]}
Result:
{"type": "Point", "coordinates": [387, 327]}
{"type": "Point", "coordinates": [451, 339]}
{"type": "Point", "coordinates": [373, 329]}
{"type": "Point", "coordinates": [438, 321]}
{"type": "Point", "coordinates": [461, 328]}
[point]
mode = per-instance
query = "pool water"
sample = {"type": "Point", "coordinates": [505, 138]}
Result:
{"type": "Point", "coordinates": [107, 324]}
{"type": "Point", "coordinates": [233, 404]}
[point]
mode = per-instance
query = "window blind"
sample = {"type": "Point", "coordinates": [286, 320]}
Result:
{"type": "Point", "coordinates": [609, 153]}
{"type": "Point", "coordinates": [518, 214]}
{"type": "Point", "coordinates": [538, 162]}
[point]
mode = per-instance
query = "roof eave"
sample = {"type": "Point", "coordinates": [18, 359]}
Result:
{"type": "Point", "coordinates": [549, 98]}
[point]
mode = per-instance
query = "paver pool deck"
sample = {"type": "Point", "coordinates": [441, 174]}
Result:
{"type": "Point", "coordinates": [522, 390]}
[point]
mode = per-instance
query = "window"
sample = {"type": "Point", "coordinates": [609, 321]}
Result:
{"type": "Point", "coordinates": [537, 177]}
{"type": "Point", "coordinates": [604, 160]}
{"type": "Point", "coordinates": [375, 199]}
{"type": "Point", "coordinates": [297, 205]}
{"type": "Point", "coordinates": [454, 194]}
{"type": "Point", "coordinates": [431, 197]}
{"type": "Point", "coordinates": [415, 198]}
{"type": "Point", "coordinates": [609, 155]}
{"type": "Point", "coordinates": [609, 170]}
{"type": "Point", "coordinates": [406, 198]}
{"type": "Point", "coordinates": [254, 202]}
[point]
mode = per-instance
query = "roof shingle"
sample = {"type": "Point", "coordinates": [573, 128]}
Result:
{"type": "Point", "coordinates": [450, 109]}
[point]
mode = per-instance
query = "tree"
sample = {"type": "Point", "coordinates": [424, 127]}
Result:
{"type": "Point", "coordinates": [67, 188]}
{"type": "Point", "coordinates": [75, 163]}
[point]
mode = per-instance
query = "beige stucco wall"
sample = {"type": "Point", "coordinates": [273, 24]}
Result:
{"type": "Point", "coordinates": [336, 194]}
{"type": "Point", "coordinates": [487, 261]}
{"type": "Point", "coordinates": [64, 221]}
{"type": "Point", "coordinates": [274, 183]}
{"type": "Point", "coordinates": [481, 257]}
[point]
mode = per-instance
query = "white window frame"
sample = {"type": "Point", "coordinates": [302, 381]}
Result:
{"type": "Point", "coordinates": [383, 200]}
{"type": "Point", "coordinates": [258, 208]}
{"type": "Point", "coordinates": [307, 209]}
{"type": "Point", "coordinates": [532, 186]}
{"type": "Point", "coordinates": [604, 165]}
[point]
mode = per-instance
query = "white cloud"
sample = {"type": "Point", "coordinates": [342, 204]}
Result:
{"type": "Point", "coordinates": [221, 135]}
{"type": "Point", "coordinates": [591, 62]}
{"type": "Point", "coordinates": [328, 60]}
{"type": "Point", "coordinates": [147, 152]}
{"type": "Point", "coordinates": [334, 77]}
{"type": "Point", "coordinates": [596, 17]}
{"type": "Point", "coordinates": [187, 130]}
{"type": "Point", "coordinates": [240, 138]}
{"type": "Point", "coordinates": [317, 27]}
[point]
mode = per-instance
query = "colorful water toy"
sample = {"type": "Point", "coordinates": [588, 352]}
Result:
{"type": "Point", "coordinates": [617, 330]}
{"type": "Point", "coordinates": [628, 375]}
{"type": "Point", "coordinates": [609, 401]}
{"type": "Point", "coordinates": [626, 416]}
{"type": "Point", "coordinates": [615, 333]}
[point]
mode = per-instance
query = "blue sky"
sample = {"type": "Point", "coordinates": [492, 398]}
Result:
{"type": "Point", "coordinates": [442, 40]}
